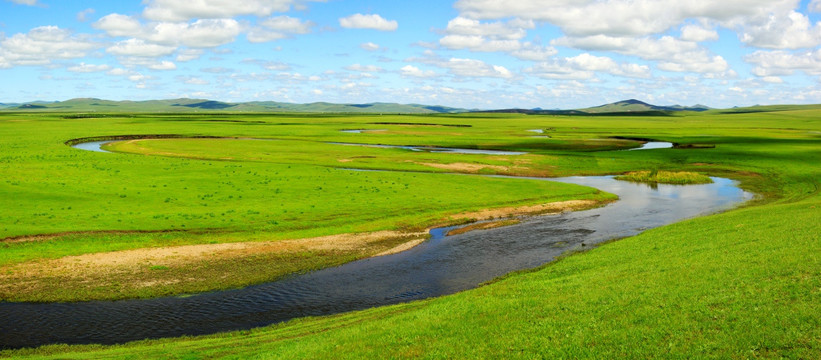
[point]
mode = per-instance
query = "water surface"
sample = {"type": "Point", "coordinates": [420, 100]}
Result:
{"type": "Point", "coordinates": [435, 149]}
{"type": "Point", "coordinates": [443, 265]}
{"type": "Point", "coordinates": [654, 145]}
{"type": "Point", "coordinates": [93, 146]}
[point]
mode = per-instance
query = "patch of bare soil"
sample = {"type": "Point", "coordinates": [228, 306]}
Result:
{"type": "Point", "coordinates": [483, 226]}
{"type": "Point", "coordinates": [82, 265]}
{"type": "Point", "coordinates": [466, 167]}
{"type": "Point", "coordinates": [554, 207]}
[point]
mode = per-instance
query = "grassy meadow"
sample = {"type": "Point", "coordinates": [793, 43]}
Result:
{"type": "Point", "coordinates": [742, 284]}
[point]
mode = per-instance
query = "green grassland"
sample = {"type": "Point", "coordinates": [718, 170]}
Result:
{"type": "Point", "coordinates": [741, 284]}
{"type": "Point", "coordinates": [100, 202]}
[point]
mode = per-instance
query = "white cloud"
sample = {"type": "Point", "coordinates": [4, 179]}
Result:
{"type": "Point", "coordinates": [42, 45]}
{"type": "Point", "coordinates": [617, 17]}
{"type": "Point", "coordinates": [634, 28]}
{"type": "Point", "coordinates": [513, 30]}
{"type": "Point", "coordinates": [479, 43]}
{"type": "Point", "coordinates": [82, 16]}
{"type": "Point", "coordinates": [697, 33]}
{"type": "Point", "coordinates": [791, 30]}
{"type": "Point", "coordinates": [369, 46]}
{"type": "Point", "coordinates": [279, 27]}
{"type": "Point", "coordinates": [180, 10]}
{"type": "Point", "coordinates": [163, 65]}
{"type": "Point", "coordinates": [783, 63]}
{"type": "Point", "coordinates": [413, 71]}
{"type": "Point", "coordinates": [364, 68]}
{"type": "Point", "coordinates": [533, 52]}
{"type": "Point", "coordinates": [216, 70]}
{"type": "Point", "coordinates": [671, 53]}
{"type": "Point", "coordinates": [188, 54]}
{"type": "Point", "coordinates": [476, 68]}
{"type": "Point", "coordinates": [288, 24]}
{"type": "Point", "coordinates": [585, 66]}
{"type": "Point", "coordinates": [773, 79]}
{"type": "Point", "coordinates": [200, 34]}
{"type": "Point", "coordinates": [88, 68]}
{"type": "Point", "coordinates": [814, 6]}
{"type": "Point", "coordinates": [269, 65]}
{"type": "Point", "coordinates": [137, 47]}
{"type": "Point", "coordinates": [192, 80]}
{"type": "Point", "coordinates": [203, 33]}
{"type": "Point", "coordinates": [119, 72]}
{"type": "Point", "coordinates": [473, 35]}
{"type": "Point", "coordinates": [119, 25]}
{"type": "Point", "coordinates": [372, 21]}
{"type": "Point", "coordinates": [25, 2]}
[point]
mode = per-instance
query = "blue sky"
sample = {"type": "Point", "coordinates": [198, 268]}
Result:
{"type": "Point", "coordinates": [468, 53]}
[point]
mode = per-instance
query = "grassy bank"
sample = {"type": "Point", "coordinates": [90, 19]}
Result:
{"type": "Point", "coordinates": [742, 284]}
{"type": "Point", "coordinates": [666, 177]}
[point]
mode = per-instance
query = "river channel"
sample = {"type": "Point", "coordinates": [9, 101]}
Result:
{"type": "Point", "coordinates": [443, 265]}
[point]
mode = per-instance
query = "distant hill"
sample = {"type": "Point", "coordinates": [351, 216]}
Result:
{"type": "Point", "coordinates": [634, 105]}
{"type": "Point", "coordinates": [197, 105]}
{"type": "Point", "coordinates": [630, 107]}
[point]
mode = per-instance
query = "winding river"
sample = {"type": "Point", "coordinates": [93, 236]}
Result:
{"type": "Point", "coordinates": [443, 265]}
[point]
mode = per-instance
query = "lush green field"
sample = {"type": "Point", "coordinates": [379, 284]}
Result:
{"type": "Point", "coordinates": [742, 284]}
{"type": "Point", "coordinates": [95, 202]}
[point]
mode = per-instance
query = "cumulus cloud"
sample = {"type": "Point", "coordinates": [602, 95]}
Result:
{"type": "Point", "coordinates": [512, 30]}
{"type": "Point", "coordinates": [463, 67]}
{"type": "Point", "coordinates": [671, 53]}
{"type": "Point", "coordinates": [814, 6]}
{"type": "Point", "coordinates": [476, 68]}
{"type": "Point", "coordinates": [473, 35]}
{"type": "Point", "coordinates": [137, 47]}
{"type": "Point", "coordinates": [696, 33]}
{"type": "Point", "coordinates": [163, 65]}
{"type": "Point", "coordinates": [791, 30]}
{"type": "Point", "coordinates": [413, 71]}
{"type": "Point", "coordinates": [369, 46]}
{"type": "Point", "coordinates": [89, 68]}
{"type": "Point", "coordinates": [585, 66]}
{"type": "Point", "coordinates": [192, 80]}
{"type": "Point", "coordinates": [364, 68]}
{"type": "Point", "coordinates": [279, 27]}
{"type": "Point", "coordinates": [42, 45]}
{"type": "Point", "coordinates": [533, 52]}
{"type": "Point", "coordinates": [82, 16]}
{"type": "Point", "coordinates": [638, 28]}
{"type": "Point", "coordinates": [617, 17]}
{"type": "Point", "coordinates": [783, 63]}
{"type": "Point", "coordinates": [372, 21]}
{"type": "Point", "coordinates": [188, 54]}
{"type": "Point", "coordinates": [203, 33]}
{"type": "Point", "coordinates": [25, 2]}
{"type": "Point", "coordinates": [181, 10]}
{"type": "Point", "coordinates": [269, 65]}
{"type": "Point", "coordinates": [119, 25]}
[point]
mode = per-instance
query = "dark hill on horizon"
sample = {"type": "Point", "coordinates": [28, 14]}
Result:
{"type": "Point", "coordinates": [199, 105]}
{"type": "Point", "coordinates": [631, 107]}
